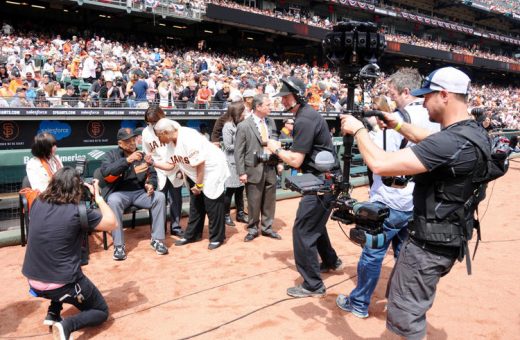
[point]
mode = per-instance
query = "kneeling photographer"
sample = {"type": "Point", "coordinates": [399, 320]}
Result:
{"type": "Point", "coordinates": [392, 193]}
{"type": "Point", "coordinates": [444, 166]}
{"type": "Point", "coordinates": [53, 256]}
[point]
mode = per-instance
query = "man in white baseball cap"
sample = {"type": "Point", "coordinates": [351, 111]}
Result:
{"type": "Point", "coordinates": [446, 78]}
{"type": "Point", "coordinates": [444, 165]}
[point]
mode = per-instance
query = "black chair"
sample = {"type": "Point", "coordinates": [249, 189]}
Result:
{"type": "Point", "coordinates": [24, 212]}
{"type": "Point", "coordinates": [130, 210]}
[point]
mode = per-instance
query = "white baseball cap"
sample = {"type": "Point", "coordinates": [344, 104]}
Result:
{"type": "Point", "coordinates": [446, 78]}
{"type": "Point", "coordinates": [249, 93]}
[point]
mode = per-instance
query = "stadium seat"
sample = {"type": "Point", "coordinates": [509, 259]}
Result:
{"type": "Point", "coordinates": [84, 87]}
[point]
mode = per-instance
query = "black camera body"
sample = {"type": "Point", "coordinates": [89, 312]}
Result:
{"type": "Point", "coordinates": [368, 218]}
{"type": "Point", "coordinates": [398, 182]}
{"type": "Point", "coordinates": [269, 158]}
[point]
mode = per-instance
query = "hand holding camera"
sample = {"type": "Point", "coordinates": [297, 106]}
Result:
{"type": "Point", "coordinates": [135, 156]}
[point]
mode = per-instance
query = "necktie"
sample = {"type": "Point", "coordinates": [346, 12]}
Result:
{"type": "Point", "coordinates": [263, 131]}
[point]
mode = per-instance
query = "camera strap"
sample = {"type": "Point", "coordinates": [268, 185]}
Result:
{"type": "Point", "coordinates": [83, 220]}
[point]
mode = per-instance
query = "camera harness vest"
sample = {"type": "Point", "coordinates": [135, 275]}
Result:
{"type": "Point", "coordinates": [455, 230]}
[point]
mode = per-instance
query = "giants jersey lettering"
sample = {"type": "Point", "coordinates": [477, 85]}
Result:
{"type": "Point", "coordinates": [154, 145]}
{"type": "Point", "coordinates": [179, 159]}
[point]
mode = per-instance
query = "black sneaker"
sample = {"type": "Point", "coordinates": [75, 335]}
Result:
{"type": "Point", "coordinates": [60, 333]}
{"type": "Point", "coordinates": [159, 247]}
{"type": "Point", "coordinates": [51, 318]}
{"type": "Point", "coordinates": [300, 292]}
{"type": "Point", "coordinates": [337, 266]}
{"type": "Point", "coordinates": [119, 253]}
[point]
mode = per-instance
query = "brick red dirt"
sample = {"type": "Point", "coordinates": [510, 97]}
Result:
{"type": "Point", "coordinates": [238, 290]}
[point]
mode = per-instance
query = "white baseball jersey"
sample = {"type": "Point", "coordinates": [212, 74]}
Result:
{"type": "Point", "coordinates": [191, 149]}
{"type": "Point", "coordinates": [152, 146]}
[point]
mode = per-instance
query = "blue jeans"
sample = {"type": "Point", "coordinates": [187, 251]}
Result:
{"type": "Point", "coordinates": [370, 263]}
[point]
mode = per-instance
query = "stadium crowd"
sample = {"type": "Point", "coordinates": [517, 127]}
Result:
{"type": "Point", "coordinates": [502, 6]}
{"type": "Point", "coordinates": [46, 71]}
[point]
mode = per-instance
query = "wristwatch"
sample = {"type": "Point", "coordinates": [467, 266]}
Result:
{"type": "Point", "coordinates": [199, 185]}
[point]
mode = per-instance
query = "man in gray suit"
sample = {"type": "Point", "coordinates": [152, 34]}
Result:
{"type": "Point", "coordinates": [260, 180]}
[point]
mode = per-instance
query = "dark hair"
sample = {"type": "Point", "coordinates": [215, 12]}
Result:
{"type": "Point", "coordinates": [42, 145]}
{"type": "Point", "coordinates": [234, 112]}
{"type": "Point", "coordinates": [154, 112]}
{"type": "Point", "coordinates": [65, 187]}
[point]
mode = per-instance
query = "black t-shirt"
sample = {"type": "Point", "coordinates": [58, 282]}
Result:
{"type": "Point", "coordinates": [54, 246]}
{"type": "Point", "coordinates": [310, 136]}
{"type": "Point", "coordinates": [446, 155]}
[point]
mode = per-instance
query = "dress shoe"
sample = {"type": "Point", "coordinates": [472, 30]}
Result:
{"type": "Point", "coordinates": [250, 237]}
{"type": "Point", "coordinates": [177, 232]}
{"type": "Point", "coordinates": [242, 217]}
{"type": "Point", "coordinates": [214, 245]}
{"type": "Point", "coordinates": [272, 234]}
{"type": "Point", "coordinates": [228, 221]}
{"type": "Point", "coordinates": [183, 241]}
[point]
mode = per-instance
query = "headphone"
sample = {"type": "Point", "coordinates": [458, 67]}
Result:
{"type": "Point", "coordinates": [298, 93]}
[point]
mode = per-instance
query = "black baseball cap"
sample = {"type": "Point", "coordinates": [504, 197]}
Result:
{"type": "Point", "coordinates": [291, 85]}
{"type": "Point", "coordinates": [125, 133]}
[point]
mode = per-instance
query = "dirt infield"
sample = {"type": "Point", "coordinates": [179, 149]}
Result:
{"type": "Point", "coordinates": [238, 290]}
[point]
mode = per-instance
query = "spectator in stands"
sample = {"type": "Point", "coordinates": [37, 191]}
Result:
{"type": "Point", "coordinates": [52, 261]}
{"type": "Point", "coordinates": [110, 95]}
{"type": "Point", "coordinates": [44, 163]}
{"type": "Point", "coordinates": [70, 98]}
{"type": "Point", "coordinates": [286, 131]}
{"type": "Point", "coordinates": [164, 93]}
{"type": "Point", "coordinates": [203, 95]}
{"type": "Point", "coordinates": [5, 91]}
{"type": "Point", "coordinates": [41, 101]}
{"type": "Point", "coordinates": [188, 95]}
{"type": "Point", "coordinates": [130, 181]}
{"type": "Point", "coordinates": [20, 100]}
{"type": "Point", "coordinates": [222, 96]}
{"type": "Point", "coordinates": [140, 88]}
{"type": "Point", "coordinates": [248, 96]}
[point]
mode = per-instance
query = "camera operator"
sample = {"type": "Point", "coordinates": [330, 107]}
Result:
{"type": "Point", "coordinates": [397, 198]}
{"type": "Point", "coordinates": [260, 180]}
{"type": "Point", "coordinates": [310, 136]}
{"type": "Point", "coordinates": [52, 260]}
{"type": "Point", "coordinates": [112, 96]}
{"type": "Point", "coordinates": [443, 164]}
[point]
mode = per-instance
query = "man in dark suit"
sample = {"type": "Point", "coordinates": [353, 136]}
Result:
{"type": "Point", "coordinates": [260, 180]}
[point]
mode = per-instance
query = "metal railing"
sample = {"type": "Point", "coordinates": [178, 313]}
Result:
{"type": "Point", "coordinates": [193, 10]}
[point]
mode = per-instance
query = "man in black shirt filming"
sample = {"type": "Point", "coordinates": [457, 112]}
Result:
{"type": "Point", "coordinates": [310, 136]}
{"type": "Point", "coordinates": [443, 165]}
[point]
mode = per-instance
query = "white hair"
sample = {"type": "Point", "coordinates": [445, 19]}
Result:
{"type": "Point", "coordinates": [165, 124]}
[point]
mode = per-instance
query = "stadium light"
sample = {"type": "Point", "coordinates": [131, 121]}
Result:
{"type": "Point", "coordinates": [13, 3]}
{"type": "Point", "coordinates": [179, 27]}
{"type": "Point", "coordinates": [208, 31]}
{"type": "Point", "coordinates": [250, 38]}
{"type": "Point", "coordinates": [161, 24]}
{"type": "Point", "coordinates": [38, 6]}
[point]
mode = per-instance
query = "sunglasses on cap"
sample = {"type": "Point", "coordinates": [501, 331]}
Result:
{"type": "Point", "coordinates": [426, 83]}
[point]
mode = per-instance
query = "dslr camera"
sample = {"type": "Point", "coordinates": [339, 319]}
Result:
{"type": "Point", "coordinates": [269, 158]}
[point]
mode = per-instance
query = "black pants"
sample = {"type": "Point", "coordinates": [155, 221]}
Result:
{"type": "Point", "coordinates": [239, 199]}
{"type": "Point", "coordinates": [310, 238]}
{"type": "Point", "coordinates": [94, 309]}
{"type": "Point", "coordinates": [174, 196]}
{"type": "Point", "coordinates": [200, 205]}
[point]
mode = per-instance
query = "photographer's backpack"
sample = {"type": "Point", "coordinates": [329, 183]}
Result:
{"type": "Point", "coordinates": [495, 165]}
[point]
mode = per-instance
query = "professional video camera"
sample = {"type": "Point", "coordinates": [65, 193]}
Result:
{"type": "Point", "coordinates": [349, 47]}
{"type": "Point", "coordinates": [269, 158]}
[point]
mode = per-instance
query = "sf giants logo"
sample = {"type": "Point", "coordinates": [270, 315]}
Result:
{"type": "Point", "coordinates": [95, 129]}
{"type": "Point", "coordinates": [9, 131]}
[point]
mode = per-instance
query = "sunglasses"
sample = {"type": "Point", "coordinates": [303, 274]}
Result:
{"type": "Point", "coordinates": [426, 83]}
